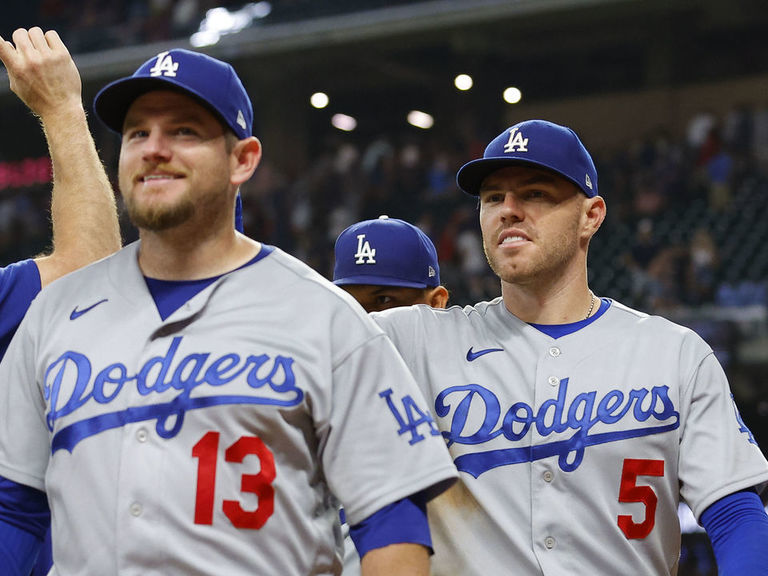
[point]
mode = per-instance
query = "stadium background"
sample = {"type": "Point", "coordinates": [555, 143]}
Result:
{"type": "Point", "coordinates": [671, 96]}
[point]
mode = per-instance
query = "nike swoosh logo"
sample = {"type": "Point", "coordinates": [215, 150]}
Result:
{"type": "Point", "coordinates": [77, 313]}
{"type": "Point", "coordinates": [472, 355]}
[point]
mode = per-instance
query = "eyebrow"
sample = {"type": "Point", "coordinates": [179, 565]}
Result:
{"type": "Point", "coordinates": [538, 177]}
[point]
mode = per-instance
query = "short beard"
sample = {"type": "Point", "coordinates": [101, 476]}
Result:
{"type": "Point", "coordinates": [159, 218]}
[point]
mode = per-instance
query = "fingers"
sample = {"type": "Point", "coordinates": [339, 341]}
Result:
{"type": "Point", "coordinates": [54, 41]}
{"type": "Point", "coordinates": [7, 51]}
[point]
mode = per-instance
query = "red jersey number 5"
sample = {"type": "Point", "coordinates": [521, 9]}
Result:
{"type": "Point", "coordinates": [629, 491]}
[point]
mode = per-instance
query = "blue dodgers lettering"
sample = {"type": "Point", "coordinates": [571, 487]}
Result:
{"type": "Point", "coordinates": [555, 416]}
{"type": "Point", "coordinates": [413, 417]}
{"type": "Point", "coordinates": [69, 385]}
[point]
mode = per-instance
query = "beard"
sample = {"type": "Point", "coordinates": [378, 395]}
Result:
{"type": "Point", "coordinates": [158, 217]}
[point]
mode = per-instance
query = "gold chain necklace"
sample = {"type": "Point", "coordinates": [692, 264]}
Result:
{"type": "Point", "coordinates": [591, 304]}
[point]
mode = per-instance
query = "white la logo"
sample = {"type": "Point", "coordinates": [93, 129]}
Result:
{"type": "Point", "coordinates": [516, 142]}
{"type": "Point", "coordinates": [364, 251]}
{"type": "Point", "coordinates": [165, 66]}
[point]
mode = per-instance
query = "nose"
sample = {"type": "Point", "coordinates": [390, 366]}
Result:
{"type": "Point", "coordinates": [512, 208]}
{"type": "Point", "coordinates": [155, 146]}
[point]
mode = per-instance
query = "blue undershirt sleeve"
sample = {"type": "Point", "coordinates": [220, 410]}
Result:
{"type": "Point", "coordinates": [737, 526]}
{"type": "Point", "coordinates": [24, 520]}
{"type": "Point", "coordinates": [404, 521]}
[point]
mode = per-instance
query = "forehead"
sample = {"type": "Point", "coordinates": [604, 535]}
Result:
{"type": "Point", "coordinates": [520, 175]}
{"type": "Point", "coordinates": [171, 104]}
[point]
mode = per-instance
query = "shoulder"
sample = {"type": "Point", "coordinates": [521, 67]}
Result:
{"type": "Point", "coordinates": [22, 276]}
{"type": "Point", "coordinates": [437, 318]}
{"type": "Point", "coordinates": [280, 278]}
{"type": "Point", "coordinates": [658, 329]}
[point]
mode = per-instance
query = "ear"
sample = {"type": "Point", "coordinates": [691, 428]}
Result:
{"type": "Point", "coordinates": [594, 214]}
{"type": "Point", "coordinates": [438, 297]}
{"type": "Point", "coordinates": [244, 158]}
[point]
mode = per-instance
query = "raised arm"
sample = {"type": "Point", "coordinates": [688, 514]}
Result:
{"type": "Point", "coordinates": [83, 212]}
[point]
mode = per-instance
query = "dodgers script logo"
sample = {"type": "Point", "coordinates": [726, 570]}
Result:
{"type": "Point", "coordinates": [555, 416]}
{"type": "Point", "coordinates": [70, 384]}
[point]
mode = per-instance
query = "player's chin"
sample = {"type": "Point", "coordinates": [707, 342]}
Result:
{"type": "Point", "coordinates": [158, 217]}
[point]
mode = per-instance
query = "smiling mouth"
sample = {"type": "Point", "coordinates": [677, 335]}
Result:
{"type": "Point", "coordinates": [157, 178]}
{"type": "Point", "coordinates": [509, 240]}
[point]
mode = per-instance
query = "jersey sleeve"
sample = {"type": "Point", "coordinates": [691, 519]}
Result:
{"type": "Point", "coordinates": [19, 284]}
{"type": "Point", "coordinates": [24, 441]}
{"type": "Point", "coordinates": [382, 444]}
{"type": "Point", "coordinates": [718, 453]}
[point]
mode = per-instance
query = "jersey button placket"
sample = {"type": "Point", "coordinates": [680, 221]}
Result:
{"type": "Point", "coordinates": [136, 509]}
{"type": "Point", "coordinates": [553, 380]}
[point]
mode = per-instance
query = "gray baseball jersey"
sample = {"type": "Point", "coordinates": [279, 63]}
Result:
{"type": "Point", "coordinates": [573, 452]}
{"type": "Point", "coordinates": [218, 441]}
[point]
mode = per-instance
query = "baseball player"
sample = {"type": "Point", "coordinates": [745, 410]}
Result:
{"type": "Point", "coordinates": [387, 262]}
{"type": "Point", "coordinates": [83, 211]}
{"type": "Point", "coordinates": [179, 413]}
{"type": "Point", "coordinates": [576, 423]}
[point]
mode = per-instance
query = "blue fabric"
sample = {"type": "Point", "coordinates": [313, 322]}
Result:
{"type": "Point", "coordinates": [559, 330]}
{"type": "Point", "coordinates": [19, 284]}
{"type": "Point", "coordinates": [45, 558]}
{"type": "Point", "coordinates": [170, 295]}
{"type": "Point", "coordinates": [737, 526]}
{"type": "Point", "coordinates": [404, 521]}
{"type": "Point", "coordinates": [24, 522]}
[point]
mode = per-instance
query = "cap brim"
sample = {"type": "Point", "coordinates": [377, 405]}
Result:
{"type": "Point", "coordinates": [379, 281]}
{"type": "Point", "coordinates": [470, 176]}
{"type": "Point", "coordinates": [112, 102]}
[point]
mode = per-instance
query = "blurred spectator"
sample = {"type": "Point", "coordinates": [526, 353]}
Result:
{"type": "Point", "coordinates": [703, 267]}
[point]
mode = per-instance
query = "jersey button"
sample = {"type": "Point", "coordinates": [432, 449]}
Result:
{"type": "Point", "coordinates": [549, 542]}
{"type": "Point", "coordinates": [548, 476]}
{"type": "Point", "coordinates": [136, 509]}
{"type": "Point", "coordinates": [553, 380]}
{"type": "Point", "coordinates": [141, 435]}
{"type": "Point", "coordinates": [554, 351]}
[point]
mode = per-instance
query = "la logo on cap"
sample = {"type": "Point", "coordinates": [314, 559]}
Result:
{"type": "Point", "coordinates": [365, 254]}
{"type": "Point", "coordinates": [165, 66]}
{"type": "Point", "coordinates": [516, 142]}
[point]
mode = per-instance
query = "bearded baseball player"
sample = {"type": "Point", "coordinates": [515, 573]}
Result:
{"type": "Point", "coordinates": [576, 423]}
{"type": "Point", "coordinates": [83, 212]}
{"type": "Point", "coordinates": [179, 411]}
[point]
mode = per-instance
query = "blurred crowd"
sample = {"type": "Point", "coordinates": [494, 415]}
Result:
{"type": "Point", "coordinates": [685, 224]}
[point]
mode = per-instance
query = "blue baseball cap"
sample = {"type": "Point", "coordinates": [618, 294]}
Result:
{"type": "Point", "coordinates": [213, 82]}
{"type": "Point", "coordinates": [385, 252]}
{"type": "Point", "coordinates": [538, 143]}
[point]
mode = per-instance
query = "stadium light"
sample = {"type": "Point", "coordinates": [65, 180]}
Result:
{"type": "Point", "coordinates": [420, 119]}
{"type": "Point", "coordinates": [344, 122]}
{"type": "Point", "coordinates": [463, 82]}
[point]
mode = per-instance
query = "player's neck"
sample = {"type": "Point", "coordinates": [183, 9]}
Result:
{"type": "Point", "coordinates": [166, 257]}
{"type": "Point", "coordinates": [555, 305]}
